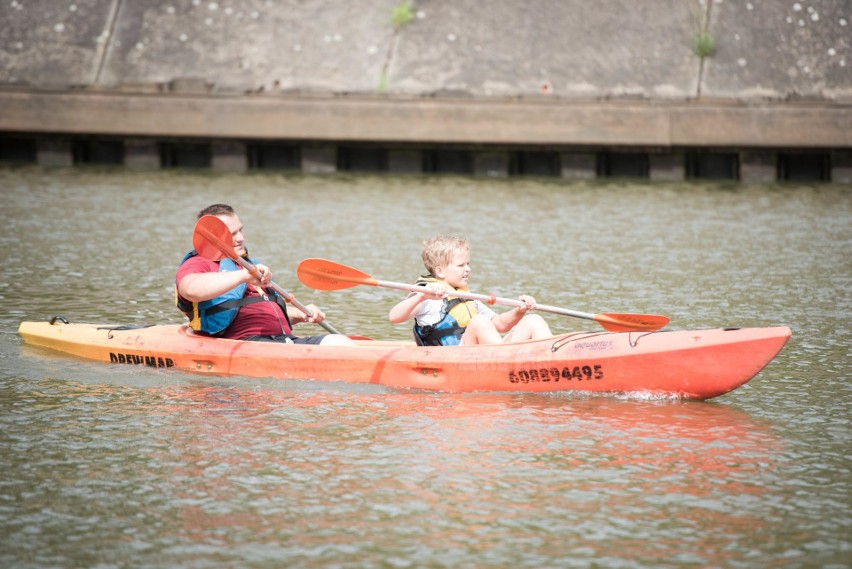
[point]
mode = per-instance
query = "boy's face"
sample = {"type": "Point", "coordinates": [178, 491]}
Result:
{"type": "Point", "coordinates": [457, 271]}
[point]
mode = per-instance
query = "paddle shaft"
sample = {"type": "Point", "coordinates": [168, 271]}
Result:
{"type": "Point", "coordinates": [286, 295]}
{"type": "Point", "coordinates": [491, 299]}
{"type": "Point", "coordinates": [323, 274]}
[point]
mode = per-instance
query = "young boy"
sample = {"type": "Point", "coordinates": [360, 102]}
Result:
{"type": "Point", "coordinates": [444, 320]}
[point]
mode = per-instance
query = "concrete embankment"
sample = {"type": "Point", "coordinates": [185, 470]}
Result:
{"type": "Point", "coordinates": [662, 88]}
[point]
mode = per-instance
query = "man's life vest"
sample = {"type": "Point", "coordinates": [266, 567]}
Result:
{"type": "Point", "coordinates": [456, 313]}
{"type": "Point", "coordinates": [215, 315]}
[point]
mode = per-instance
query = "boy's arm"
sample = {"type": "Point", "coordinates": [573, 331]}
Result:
{"type": "Point", "coordinates": [507, 320]}
{"type": "Point", "coordinates": [407, 308]}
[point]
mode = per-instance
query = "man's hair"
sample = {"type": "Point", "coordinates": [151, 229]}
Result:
{"type": "Point", "coordinates": [216, 209]}
{"type": "Point", "coordinates": [439, 250]}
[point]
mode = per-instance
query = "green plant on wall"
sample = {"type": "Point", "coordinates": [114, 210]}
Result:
{"type": "Point", "coordinates": [703, 42]}
{"type": "Point", "coordinates": [402, 14]}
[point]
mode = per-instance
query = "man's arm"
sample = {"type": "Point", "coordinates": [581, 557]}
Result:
{"type": "Point", "coordinates": [198, 283]}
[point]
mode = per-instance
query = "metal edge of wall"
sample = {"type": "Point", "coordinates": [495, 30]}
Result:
{"type": "Point", "coordinates": [430, 120]}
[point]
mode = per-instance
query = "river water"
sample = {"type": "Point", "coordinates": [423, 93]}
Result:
{"type": "Point", "coordinates": [124, 467]}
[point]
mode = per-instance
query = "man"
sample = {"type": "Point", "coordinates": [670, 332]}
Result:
{"type": "Point", "coordinates": [222, 299]}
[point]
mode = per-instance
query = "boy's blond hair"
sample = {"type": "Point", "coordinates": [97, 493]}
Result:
{"type": "Point", "coordinates": [438, 251]}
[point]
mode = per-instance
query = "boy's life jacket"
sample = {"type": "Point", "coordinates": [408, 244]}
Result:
{"type": "Point", "coordinates": [215, 315]}
{"type": "Point", "coordinates": [456, 313]}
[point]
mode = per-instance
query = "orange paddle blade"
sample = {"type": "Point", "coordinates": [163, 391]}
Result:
{"type": "Point", "coordinates": [322, 274]}
{"type": "Point", "coordinates": [631, 322]}
{"type": "Point", "coordinates": [212, 239]}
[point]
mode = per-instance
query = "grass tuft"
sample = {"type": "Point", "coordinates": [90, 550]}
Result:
{"type": "Point", "coordinates": [402, 14]}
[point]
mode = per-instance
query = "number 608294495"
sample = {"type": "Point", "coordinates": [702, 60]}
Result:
{"type": "Point", "coordinates": [567, 373]}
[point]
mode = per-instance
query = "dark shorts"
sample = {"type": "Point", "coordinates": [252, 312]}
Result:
{"type": "Point", "coordinates": [287, 339]}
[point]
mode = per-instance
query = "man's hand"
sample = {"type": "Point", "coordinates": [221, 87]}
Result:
{"type": "Point", "coordinates": [261, 277]}
{"type": "Point", "coordinates": [317, 315]}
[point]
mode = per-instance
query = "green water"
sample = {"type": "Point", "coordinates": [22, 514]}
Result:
{"type": "Point", "coordinates": [123, 467]}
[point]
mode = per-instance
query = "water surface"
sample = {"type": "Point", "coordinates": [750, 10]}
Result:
{"type": "Point", "coordinates": [123, 467]}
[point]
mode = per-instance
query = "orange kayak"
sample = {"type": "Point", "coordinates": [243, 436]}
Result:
{"type": "Point", "coordinates": [691, 364]}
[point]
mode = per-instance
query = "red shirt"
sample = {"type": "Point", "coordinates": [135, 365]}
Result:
{"type": "Point", "coordinates": [257, 319]}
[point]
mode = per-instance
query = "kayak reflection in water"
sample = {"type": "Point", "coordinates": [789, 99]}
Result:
{"type": "Point", "coordinates": [222, 299]}
{"type": "Point", "coordinates": [440, 319]}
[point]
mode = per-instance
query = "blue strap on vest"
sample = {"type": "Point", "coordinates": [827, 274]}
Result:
{"type": "Point", "coordinates": [446, 332]}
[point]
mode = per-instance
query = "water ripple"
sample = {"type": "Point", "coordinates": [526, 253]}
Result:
{"type": "Point", "coordinates": [109, 467]}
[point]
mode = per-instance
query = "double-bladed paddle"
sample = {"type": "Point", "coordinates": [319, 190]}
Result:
{"type": "Point", "coordinates": [213, 240]}
{"type": "Point", "coordinates": [322, 274]}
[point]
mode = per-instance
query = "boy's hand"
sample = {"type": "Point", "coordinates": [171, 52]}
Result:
{"type": "Point", "coordinates": [529, 303]}
{"type": "Point", "coordinates": [434, 291]}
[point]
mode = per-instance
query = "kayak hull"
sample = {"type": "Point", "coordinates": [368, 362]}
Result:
{"type": "Point", "coordinates": [694, 364]}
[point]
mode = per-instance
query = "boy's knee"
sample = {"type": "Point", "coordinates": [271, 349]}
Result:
{"type": "Point", "coordinates": [534, 318]}
{"type": "Point", "coordinates": [479, 319]}
{"type": "Point", "coordinates": [537, 326]}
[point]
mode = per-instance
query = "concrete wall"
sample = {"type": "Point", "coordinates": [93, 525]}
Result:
{"type": "Point", "coordinates": [765, 49]}
{"type": "Point", "coordinates": [555, 73]}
